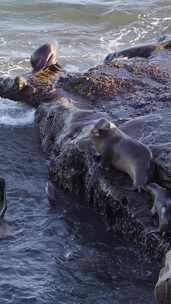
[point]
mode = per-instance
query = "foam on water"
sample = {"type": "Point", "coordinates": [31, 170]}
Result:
{"type": "Point", "coordinates": [14, 113]}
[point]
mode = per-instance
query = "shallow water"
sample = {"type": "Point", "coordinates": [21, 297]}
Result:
{"type": "Point", "coordinates": [62, 253]}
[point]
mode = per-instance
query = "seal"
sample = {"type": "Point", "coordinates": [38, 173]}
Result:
{"type": "Point", "coordinates": [162, 291]}
{"type": "Point", "coordinates": [122, 152]}
{"type": "Point", "coordinates": [45, 65]}
{"type": "Point", "coordinates": [44, 56]}
{"type": "Point", "coordinates": [143, 51]}
{"type": "Point", "coordinates": [3, 202]}
{"type": "Point", "coordinates": [162, 205]}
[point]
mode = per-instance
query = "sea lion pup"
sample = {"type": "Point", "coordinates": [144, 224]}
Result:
{"type": "Point", "coordinates": [122, 152]}
{"type": "Point", "coordinates": [45, 56]}
{"type": "Point", "coordinates": [162, 205]}
{"type": "Point", "coordinates": [162, 290]}
{"type": "Point", "coordinates": [3, 202]}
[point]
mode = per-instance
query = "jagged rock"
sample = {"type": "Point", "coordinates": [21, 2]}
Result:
{"type": "Point", "coordinates": [64, 130]}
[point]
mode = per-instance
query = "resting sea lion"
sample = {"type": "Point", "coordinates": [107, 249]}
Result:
{"type": "Point", "coordinates": [162, 205]}
{"type": "Point", "coordinates": [122, 152]}
{"type": "Point", "coordinates": [3, 203]}
{"type": "Point", "coordinates": [162, 290]}
{"type": "Point", "coordinates": [144, 51]}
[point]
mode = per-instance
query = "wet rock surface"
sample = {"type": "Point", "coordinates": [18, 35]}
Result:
{"type": "Point", "coordinates": [64, 130]}
{"type": "Point", "coordinates": [135, 94]}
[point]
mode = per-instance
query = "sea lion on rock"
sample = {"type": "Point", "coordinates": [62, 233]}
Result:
{"type": "Point", "coordinates": [162, 205]}
{"type": "Point", "coordinates": [163, 286]}
{"type": "Point", "coordinates": [122, 152]}
{"type": "Point", "coordinates": [144, 51]}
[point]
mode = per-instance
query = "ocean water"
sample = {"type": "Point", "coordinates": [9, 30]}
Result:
{"type": "Point", "coordinates": [62, 252]}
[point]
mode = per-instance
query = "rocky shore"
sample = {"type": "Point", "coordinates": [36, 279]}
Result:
{"type": "Point", "coordinates": [134, 93]}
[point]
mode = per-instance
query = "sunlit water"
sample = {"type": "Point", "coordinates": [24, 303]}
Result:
{"type": "Point", "coordinates": [62, 253]}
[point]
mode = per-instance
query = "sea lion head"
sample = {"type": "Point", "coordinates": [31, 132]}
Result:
{"type": "Point", "coordinates": [44, 56]}
{"type": "Point", "coordinates": [102, 128]}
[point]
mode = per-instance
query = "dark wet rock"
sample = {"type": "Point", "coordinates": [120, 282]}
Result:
{"type": "Point", "coordinates": [73, 166]}
{"type": "Point", "coordinates": [33, 88]}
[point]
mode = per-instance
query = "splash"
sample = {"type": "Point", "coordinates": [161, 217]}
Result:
{"type": "Point", "coordinates": [15, 114]}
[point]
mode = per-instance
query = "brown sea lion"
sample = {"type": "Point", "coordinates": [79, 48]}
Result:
{"type": "Point", "coordinates": [162, 290]}
{"type": "Point", "coordinates": [122, 152]}
{"type": "Point", "coordinates": [162, 205]}
{"type": "Point", "coordinates": [144, 51]}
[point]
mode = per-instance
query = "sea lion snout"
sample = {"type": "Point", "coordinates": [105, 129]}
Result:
{"type": "Point", "coordinates": [44, 56]}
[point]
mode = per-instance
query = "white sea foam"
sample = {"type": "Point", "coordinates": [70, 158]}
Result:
{"type": "Point", "coordinates": [14, 113]}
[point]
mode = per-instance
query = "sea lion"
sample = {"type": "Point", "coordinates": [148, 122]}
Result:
{"type": "Point", "coordinates": [122, 152]}
{"type": "Point", "coordinates": [40, 84]}
{"type": "Point", "coordinates": [162, 205]}
{"type": "Point", "coordinates": [3, 202]}
{"type": "Point", "coordinates": [162, 290]}
{"type": "Point", "coordinates": [144, 51]}
{"type": "Point", "coordinates": [44, 56]}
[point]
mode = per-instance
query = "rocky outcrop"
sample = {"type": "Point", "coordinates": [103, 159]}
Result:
{"type": "Point", "coordinates": [133, 93]}
{"type": "Point", "coordinates": [64, 130]}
